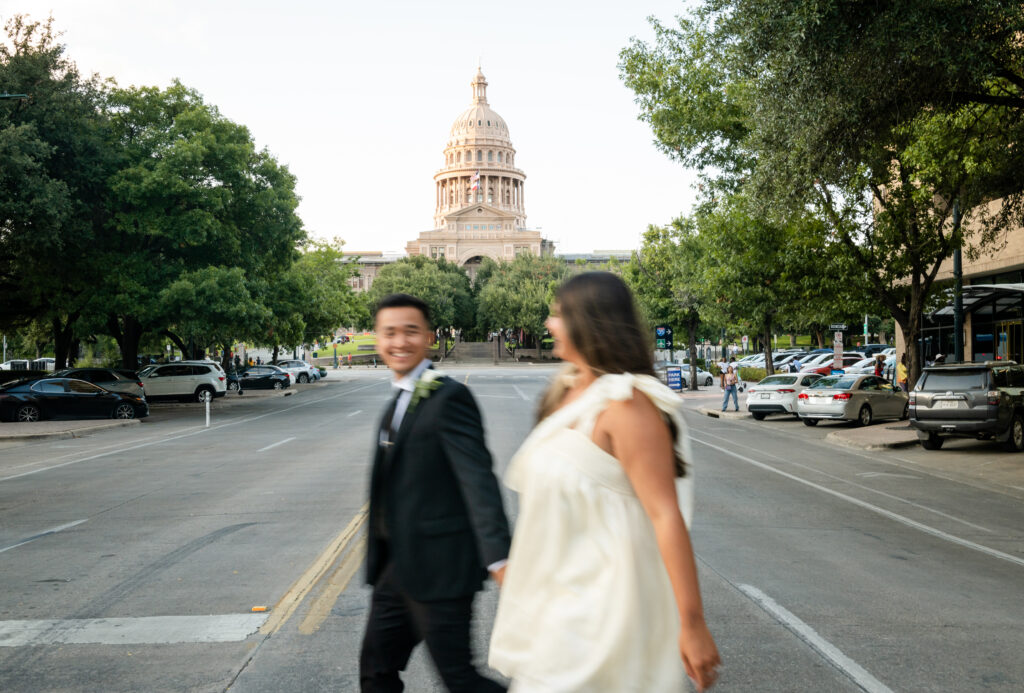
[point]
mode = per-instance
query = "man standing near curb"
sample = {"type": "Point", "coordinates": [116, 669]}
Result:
{"type": "Point", "coordinates": [436, 524]}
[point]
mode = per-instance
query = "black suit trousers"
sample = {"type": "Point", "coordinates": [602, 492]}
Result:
{"type": "Point", "coordinates": [398, 623]}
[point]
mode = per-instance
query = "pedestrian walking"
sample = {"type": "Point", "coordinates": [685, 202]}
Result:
{"type": "Point", "coordinates": [730, 383]}
{"type": "Point", "coordinates": [601, 591]}
{"type": "Point", "coordinates": [901, 372]}
{"type": "Point", "coordinates": [879, 365]}
{"type": "Point", "coordinates": [436, 526]}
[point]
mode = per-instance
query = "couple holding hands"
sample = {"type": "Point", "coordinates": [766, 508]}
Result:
{"type": "Point", "coordinates": [599, 588]}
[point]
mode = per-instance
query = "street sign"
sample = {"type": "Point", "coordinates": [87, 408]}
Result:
{"type": "Point", "coordinates": [663, 336]}
{"type": "Point", "coordinates": [674, 376]}
{"type": "Point", "coordinates": [838, 327]}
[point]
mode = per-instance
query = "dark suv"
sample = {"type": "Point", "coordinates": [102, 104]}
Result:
{"type": "Point", "coordinates": [969, 400]}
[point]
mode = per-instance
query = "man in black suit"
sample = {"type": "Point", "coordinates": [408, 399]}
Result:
{"type": "Point", "coordinates": [436, 525]}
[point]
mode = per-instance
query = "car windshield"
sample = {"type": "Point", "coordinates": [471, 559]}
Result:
{"type": "Point", "coordinates": [146, 371]}
{"type": "Point", "coordinates": [779, 380]}
{"type": "Point", "coordinates": [941, 381]}
{"type": "Point", "coordinates": [834, 382]}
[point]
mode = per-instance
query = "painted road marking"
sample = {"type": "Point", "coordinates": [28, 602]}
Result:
{"type": "Point", "coordinates": [287, 605]}
{"type": "Point", "coordinates": [274, 445]}
{"type": "Point", "coordinates": [357, 411]}
{"type": "Point", "coordinates": [336, 584]}
{"type": "Point", "coordinates": [856, 672]}
{"type": "Point", "coordinates": [876, 475]}
{"type": "Point", "coordinates": [184, 435]}
{"type": "Point", "coordinates": [521, 393]}
{"type": "Point", "coordinates": [42, 534]}
{"type": "Point", "coordinates": [147, 630]}
{"type": "Point", "coordinates": [927, 529]}
{"type": "Point", "coordinates": [861, 486]}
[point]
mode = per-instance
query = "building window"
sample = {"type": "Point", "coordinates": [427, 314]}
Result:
{"type": "Point", "coordinates": [499, 157]}
{"type": "Point", "coordinates": [476, 226]}
{"type": "Point", "coordinates": [488, 123]}
{"type": "Point", "coordinates": [490, 156]}
{"type": "Point", "coordinates": [479, 155]}
{"type": "Point", "coordinates": [479, 197]}
{"type": "Point", "coordinates": [437, 251]}
{"type": "Point", "coordinates": [458, 157]}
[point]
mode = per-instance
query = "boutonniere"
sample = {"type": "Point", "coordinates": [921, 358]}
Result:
{"type": "Point", "coordinates": [428, 382]}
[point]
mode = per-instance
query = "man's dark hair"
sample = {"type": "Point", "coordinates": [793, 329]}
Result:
{"type": "Point", "coordinates": [403, 301]}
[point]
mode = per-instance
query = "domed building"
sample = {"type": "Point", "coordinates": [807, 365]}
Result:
{"type": "Point", "coordinates": [480, 208]}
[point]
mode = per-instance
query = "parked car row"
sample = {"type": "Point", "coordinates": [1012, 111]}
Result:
{"type": "Point", "coordinates": [813, 397]}
{"type": "Point", "coordinates": [116, 393]}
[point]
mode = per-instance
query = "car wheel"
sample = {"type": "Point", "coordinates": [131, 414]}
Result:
{"type": "Point", "coordinates": [204, 394]}
{"type": "Point", "coordinates": [303, 378]}
{"type": "Point", "coordinates": [906, 412]}
{"type": "Point", "coordinates": [233, 385]}
{"type": "Point", "coordinates": [932, 442]}
{"type": "Point", "coordinates": [708, 382]}
{"type": "Point", "coordinates": [28, 413]}
{"type": "Point", "coordinates": [124, 411]}
{"type": "Point", "coordinates": [864, 416]}
{"type": "Point", "coordinates": [1016, 441]}
{"type": "Point", "coordinates": [810, 422]}
{"type": "Point", "coordinates": [278, 385]}
{"type": "Point", "coordinates": [758, 415]}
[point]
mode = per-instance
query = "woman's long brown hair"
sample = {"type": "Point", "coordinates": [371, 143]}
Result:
{"type": "Point", "coordinates": [605, 327]}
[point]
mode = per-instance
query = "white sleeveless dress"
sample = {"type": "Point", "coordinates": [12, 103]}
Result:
{"type": "Point", "coordinates": [586, 605]}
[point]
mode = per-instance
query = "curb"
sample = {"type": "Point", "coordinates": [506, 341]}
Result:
{"type": "Point", "coordinates": [837, 438]}
{"type": "Point", "coordinates": [70, 432]}
{"type": "Point", "coordinates": [719, 414]}
{"type": "Point", "coordinates": [222, 401]}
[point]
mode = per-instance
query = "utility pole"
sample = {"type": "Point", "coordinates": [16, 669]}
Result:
{"type": "Point", "coordinates": [958, 289]}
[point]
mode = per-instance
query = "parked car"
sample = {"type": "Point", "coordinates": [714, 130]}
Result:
{"type": "Point", "coordinates": [197, 381]}
{"type": "Point", "coordinates": [872, 349]}
{"type": "Point", "coordinates": [863, 366]}
{"type": "Point", "coordinates": [825, 367]}
{"type": "Point", "coordinates": [259, 378]}
{"type": "Point", "coordinates": [66, 398]}
{"type": "Point", "coordinates": [969, 400]}
{"type": "Point", "coordinates": [301, 371]}
{"type": "Point", "coordinates": [860, 398]}
{"type": "Point", "coordinates": [777, 394]}
{"type": "Point", "coordinates": [15, 365]}
{"type": "Point", "coordinates": [108, 378]}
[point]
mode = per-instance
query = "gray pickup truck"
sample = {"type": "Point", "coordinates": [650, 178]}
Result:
{"type": "Point", "coordinates": [969, 400]}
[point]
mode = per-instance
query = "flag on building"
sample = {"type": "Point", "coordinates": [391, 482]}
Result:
{"type": "Point", "coordinates": [476, 181]}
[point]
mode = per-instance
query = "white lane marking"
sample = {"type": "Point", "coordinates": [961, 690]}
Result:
{"type": "Point", "coordinates": [183, 435]}
{"type": "Point", "coordinates": [274, 445]}
{"type": "Point", "coordinates": [822, 646]}
{"type": "Point", "coordinates": [927, 529]}
{"type": "Point", "coordinates": [357, 411]}
{"type": "Point", "coordinates": [521, 393]}
{"type": "Point", "coordinates": [147, 630]}
{"type": "Point", "coordinates": [861, 486]}
{"type": "Point", "coordinates": [44, 533]}
{"type": "Point", "coordinates": [875, 475]}
{"type": "Point", "coordinates": [495, 396]}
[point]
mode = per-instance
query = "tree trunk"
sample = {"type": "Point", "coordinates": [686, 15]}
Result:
{"type": "Point", "coordinates": [691, 344]}
{"type": "Point", "coordinates": [792, 340]}
{"type": "Point", "coordinates": [273, 358]}
{"type": "Point", "coordinates": [769, 367]}
{"type": "Point", "coordinates": [63, 335]}
{"type": "Point", "coordinates": [127, 332]}
{"type": "Point", "coordinates": [819, 336]}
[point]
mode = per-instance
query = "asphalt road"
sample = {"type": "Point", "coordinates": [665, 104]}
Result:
{"type": "Point", "coordinates": [131, 560]}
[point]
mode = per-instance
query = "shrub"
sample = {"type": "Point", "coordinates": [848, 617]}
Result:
{"type": "Point", "coordinates": [752, 375]}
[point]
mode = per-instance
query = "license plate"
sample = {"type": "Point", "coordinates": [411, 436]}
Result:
{"type": "Point", "coordinates": [766, 395]}
{"type": "Point", "coordinates": [947, 404]}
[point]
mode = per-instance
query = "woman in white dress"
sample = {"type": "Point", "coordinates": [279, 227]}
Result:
{"type": "Point", "coordinates": [600, 593]}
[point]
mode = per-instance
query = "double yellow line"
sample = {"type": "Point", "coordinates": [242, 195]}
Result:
{"type": "Point", "coordinates": [336, 583]}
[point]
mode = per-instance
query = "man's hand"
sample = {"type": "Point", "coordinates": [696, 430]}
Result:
{"type": "Point", "coordinates": [499, 575]}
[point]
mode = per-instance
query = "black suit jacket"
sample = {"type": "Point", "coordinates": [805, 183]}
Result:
{"type": "Point", "coordinates": [437, 496]}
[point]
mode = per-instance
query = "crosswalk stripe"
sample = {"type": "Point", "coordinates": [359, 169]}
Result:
{"type": "Point", "coordinates": [146, 630]}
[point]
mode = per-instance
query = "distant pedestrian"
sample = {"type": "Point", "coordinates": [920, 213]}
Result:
{"type": "Point", "coordinates": [797, 365]}
{"type": "Point", "coordinates": [901, 373]}
{"type": "Point", "coordinates": [730, 382]}
{"type": "Point", "coordinates": [939, 360]}
{"type": "Point", "coordinates": [879, 365]}
{"type": "Point", "coordinates": [238, 361]}
{"type": "Point", "coordinates": [258, 361]}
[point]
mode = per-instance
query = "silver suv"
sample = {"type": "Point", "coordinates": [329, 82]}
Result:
{"type": "Point", "coordinates": [970, 400]}
{"type": "Point", "coordinates": [196, 381]}
{"type": "Point", "coordinates": [301, 372]}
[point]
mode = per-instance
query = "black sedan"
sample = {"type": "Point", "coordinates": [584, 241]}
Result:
{"type": "Point", "coordinates": [66, 398]}
{"type": "Point", "coordinates": [259, 378]}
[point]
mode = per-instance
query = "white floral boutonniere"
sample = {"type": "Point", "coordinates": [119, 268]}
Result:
{"type": "Point", "coordinates": [428, 382]}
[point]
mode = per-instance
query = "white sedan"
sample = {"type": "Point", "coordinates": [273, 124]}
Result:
{"type": "Point", "coordinates": [777, 394]}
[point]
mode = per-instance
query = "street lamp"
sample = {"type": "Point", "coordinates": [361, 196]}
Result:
{"type": "Point", "coordinates": [17, 97]}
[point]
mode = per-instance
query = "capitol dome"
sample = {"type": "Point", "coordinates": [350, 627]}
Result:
{"type": "Point", "coordinates": [479, 120]}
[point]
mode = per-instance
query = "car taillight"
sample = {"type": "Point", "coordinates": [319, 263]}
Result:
{"type": "Point", "coordinates": [841, 395]}
{"type": "Point", "coordinates": [786, 391]}
{"type": "Point", "coordinates": [993, 396]}
{"type": "Point", "coordinates": [751, 391]}
{"type": "Point", "coordinates": [220, 377]}
{"type": "Point", "coordinates": [140, 384]}
{"type": "Point", "coordinates": [802, 395]}
{"type": "Point", "coordinates": [912, 398]}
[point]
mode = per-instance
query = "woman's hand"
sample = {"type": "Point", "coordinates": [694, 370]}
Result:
{"type": "Point", "coordinates": [700, 655]}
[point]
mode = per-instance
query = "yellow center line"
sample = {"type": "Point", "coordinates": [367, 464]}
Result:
{"type": "Point", "coordinates": [287, 605]}
{"type": "Point", "coordinates": [466, 381]}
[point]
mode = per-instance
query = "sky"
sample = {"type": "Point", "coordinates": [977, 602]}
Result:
{"type": "Point", "coordinates": [357, 99]}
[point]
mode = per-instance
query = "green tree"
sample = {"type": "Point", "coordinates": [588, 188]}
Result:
{"type": "Point", "coordinates": [518, 293]}
{"type": "Point", "coordinates": [53, 198]}
{"type": "Point", "coordinates": [192, 192]}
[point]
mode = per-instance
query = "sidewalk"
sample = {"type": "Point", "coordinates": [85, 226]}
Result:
{"type": "Point", "coordinates": [41, 430]}
{"type": "Point", "coordinates": [878, 437]}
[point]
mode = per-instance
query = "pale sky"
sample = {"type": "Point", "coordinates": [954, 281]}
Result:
{"type": "Point", "coordinates": [357, 99]}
